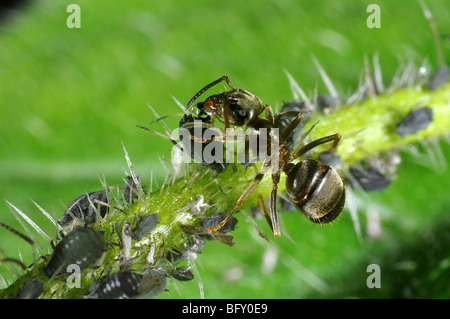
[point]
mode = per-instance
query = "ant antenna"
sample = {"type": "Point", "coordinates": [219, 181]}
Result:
{"type": "Point", "coordinates": [197, 95]}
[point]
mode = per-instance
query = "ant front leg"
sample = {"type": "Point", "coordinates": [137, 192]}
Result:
{"type": "Point", "coordinates": [335, 137]}
{"type": "Point", "coordinates": [206, 133]}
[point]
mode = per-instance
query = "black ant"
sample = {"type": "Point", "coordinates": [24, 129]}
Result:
{"type": "Point", "coordinates": [316, 188]}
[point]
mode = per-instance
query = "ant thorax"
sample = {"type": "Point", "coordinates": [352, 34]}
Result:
{"type": "Point", "coordinates": [236, 107]}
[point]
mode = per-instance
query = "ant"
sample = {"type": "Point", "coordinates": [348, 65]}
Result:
{"type": "Point", "coordinates": [316, 189]}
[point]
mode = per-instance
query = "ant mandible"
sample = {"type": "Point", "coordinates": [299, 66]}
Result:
{"type": "Point", "coordinates": [316, 189]}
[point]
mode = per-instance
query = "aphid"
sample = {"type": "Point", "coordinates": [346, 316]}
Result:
{"type": "Point", "coordinates": [316, 189]}
{"type": "Point", "coordinates": [191, 129]}
{"type": "Point", "coordinates": [85, 208]}
{"type": "Point", "coordinates": [122, 284]}
{"type": "Point", "coordinates": [152, 284]}
{"type": "Point", "coordinates": [439, 78]}
{"type": "Point", "coordinates": [181, 274]}
{"type": "Point", "coordinates": [192, 247]}
{"type": "Point", "coordinates": [326, 103]}
{"type": "Point", "coordinates": [145, 226]}
{"type": "Point", "coordinates": [236, 107]}
{"type": "Point", "coordinates": [31, 290]}
{"type": "Point", "coordinates": [330, 159]}
{"type": "Point", "coordinates": [216, 219]}
{"type": "Point", "coordinates": [415, 121]}
{"type": "Point", "coordinates": [83, 246]}
{"type": "Point", "coordinates": [376, 174]}
{"type": "Point", "coordinates": [370, 179]}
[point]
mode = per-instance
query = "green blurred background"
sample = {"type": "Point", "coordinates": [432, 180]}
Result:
{"type": "Point", "coordinates": [70, 97]}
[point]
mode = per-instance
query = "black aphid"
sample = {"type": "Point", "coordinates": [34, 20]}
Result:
{"type": "Point", "coordinates": [122, 284]}
{"type": "Point", "coordinates": [145, 226]}
{"type": "Point", "coordinates": [83, 246]}
{"type": "Point", "coordinates": [153, 283]}
{"type": "Point", "coordinates": [370, 179]}
{"type": "Point", "coordinates": [330, 159]}
{"type": "Point", "coordinates": [439, 78]}
{"type": "Point", "coordinates": [415, 121]}
{"type": "Point", "coordinates": [192, 130]}
{"type": "Point", "coordinates": [326, 103]}
{"type": "Point", "coordinates": [216, 219]}
{"type": "Point", "coordinates": [181, 274]}
{"type": "Point", "coordinates": [31, 290]}
{"type": "Point", "coordinates": [192, 247]}
{"type": "Point", "coordinates": [84, 208]}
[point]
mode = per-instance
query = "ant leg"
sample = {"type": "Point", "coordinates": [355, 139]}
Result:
{"type": "Point", "coordinates": [291, 127]}
{"type": "Point", "coordinates": [240, 202]}
{"type": "Point", "coordinates": [273, 205]}
{"type": "Point", "coordinates": [265, 211]}
{"type": "Point", "coordinates": [334, 146]}
{"type": "Point", "coordinates": [335, 137]}
{"type": "Point", "coordinates": [207, 87]}
{"type": "Point", "coordinates": [220, 137]}
{"type": "Point", "coordinates": [269, 113]}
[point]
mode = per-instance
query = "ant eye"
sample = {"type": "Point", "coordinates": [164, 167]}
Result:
{"type": "Point", "coordinates": [201, 105]}
{"type": "Point", "coordinates": [241, 112]}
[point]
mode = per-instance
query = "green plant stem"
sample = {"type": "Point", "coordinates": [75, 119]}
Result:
{"type": "Point", "coordinates": [367, 128]}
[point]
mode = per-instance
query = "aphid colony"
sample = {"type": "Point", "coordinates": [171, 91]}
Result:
{"type": "Point", "coordinates": [84, 247]}
{"type": "Point", "coordinates": [313, 186]}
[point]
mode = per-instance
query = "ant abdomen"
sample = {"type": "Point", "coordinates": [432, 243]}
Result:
{"type": "Point", "coordinates": [316, 189]}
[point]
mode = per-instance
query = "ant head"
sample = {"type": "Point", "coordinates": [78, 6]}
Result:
{"type": "Point", "coordinates": [234, 107]}
{"type": "Point", "coordinates": [201, 112]}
